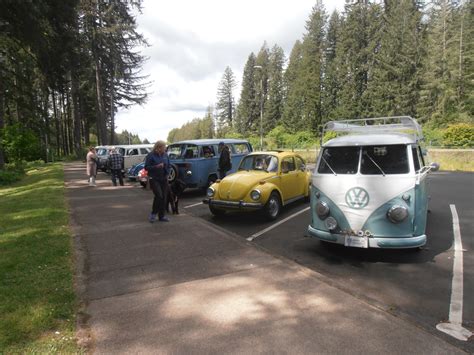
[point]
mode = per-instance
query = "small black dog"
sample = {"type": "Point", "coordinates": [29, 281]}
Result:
{"type": "Point", "coordinates": [174, 192]}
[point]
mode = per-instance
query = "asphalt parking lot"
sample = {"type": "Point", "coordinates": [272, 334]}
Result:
{"type": "Point", "coordinates": [415, 285]}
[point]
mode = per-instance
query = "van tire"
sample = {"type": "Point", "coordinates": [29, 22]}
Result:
{"type": "Point", "coordinates": [272, 208]}
{"type": "Point", "coordinates": [210, 180]}
{"type": "Point", "coordinates": [173, 174]}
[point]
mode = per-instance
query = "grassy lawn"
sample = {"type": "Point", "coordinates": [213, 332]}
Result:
{"type": "Point", "coordinates": [37, 300]}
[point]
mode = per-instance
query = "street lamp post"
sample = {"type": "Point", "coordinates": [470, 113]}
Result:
{"type": "Point", "coordinates": [261, 105]}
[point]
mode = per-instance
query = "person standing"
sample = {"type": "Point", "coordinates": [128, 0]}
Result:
{"type": "Point", "coordinates": [225, 163]}
{"type": "Point", "coordinates": [157, 164]}
{"type": "Point", "coordinates": [91, 166]}
{"type": "Point", "coordinates": [116, 162]}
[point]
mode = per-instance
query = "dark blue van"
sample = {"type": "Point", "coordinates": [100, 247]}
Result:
{"type": "Point", "coordinates": [196, 161]}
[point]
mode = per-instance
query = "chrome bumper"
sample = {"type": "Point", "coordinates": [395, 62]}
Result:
{"type": "Point", "coordinates": [232, 204]}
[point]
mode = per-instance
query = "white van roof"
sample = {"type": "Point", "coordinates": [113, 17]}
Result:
{"type": "Point", "coordinates": [371, 131]}
{"type": "Point", "coordinates": [370, 139]}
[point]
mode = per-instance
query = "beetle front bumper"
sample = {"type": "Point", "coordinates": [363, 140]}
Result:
{"type": "Point", "coordinates": [232, 204]}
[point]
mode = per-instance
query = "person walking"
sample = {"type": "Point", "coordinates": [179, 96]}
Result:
{"type": "Point", "coordinates": [115, 162]}
{"type": "Point", "coordinates": [225, 163]}
{"type": "Point", "coordinates": [157, 164]}
{"type": "Point", "coordinates": [91, 166]}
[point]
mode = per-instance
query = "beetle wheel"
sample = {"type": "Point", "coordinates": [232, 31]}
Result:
{"type": "Point", "coordinates": [272, 207]}
{"type": "Point", "coordinates": [216, 212]}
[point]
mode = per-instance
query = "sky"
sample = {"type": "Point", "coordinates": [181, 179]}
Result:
{"type": "Point", "coordinates": [190, 45]}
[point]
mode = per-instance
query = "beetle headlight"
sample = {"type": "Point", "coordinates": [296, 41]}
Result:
{"type": "Point", "coordinates": [210, 192]}
{"type": "Point", "coordinates": [255, 195]}
{"type": "Point", "coordinates": [322, 209]}
{"type": "Point", "coordinates": [397, 213]}
{"type": "Point", "coordinates": [330, 223]}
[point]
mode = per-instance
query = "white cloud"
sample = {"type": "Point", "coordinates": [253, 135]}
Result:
{"type": "Point", "coordinates": [192, 42]}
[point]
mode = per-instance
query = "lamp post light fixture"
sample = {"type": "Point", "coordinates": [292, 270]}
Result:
{"type": "Point", "coordinates": [261, 105]}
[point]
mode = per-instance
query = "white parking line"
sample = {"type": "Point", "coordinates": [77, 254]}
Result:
{"type": "Point", "coordinates": [454, 326]}
{"type": "Point", "coordinates": [196, 204]}
{"type": "Point", "coordinates": [258, 234]}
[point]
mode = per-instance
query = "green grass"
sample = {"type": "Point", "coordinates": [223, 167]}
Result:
{"type": "Point", "coordinates": [37, 300]}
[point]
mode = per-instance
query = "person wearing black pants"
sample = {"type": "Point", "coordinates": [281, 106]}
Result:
{"type": "Point", "coordinates": [157, 164]}
{"type": "Point", "coordinates": [116, 165]}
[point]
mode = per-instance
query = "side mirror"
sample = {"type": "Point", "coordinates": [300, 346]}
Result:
{"type": "Point", "coordinates": [434, 166]}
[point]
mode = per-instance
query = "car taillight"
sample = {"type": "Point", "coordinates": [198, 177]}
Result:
{"type": "Point", "coordinates": [142, 173]}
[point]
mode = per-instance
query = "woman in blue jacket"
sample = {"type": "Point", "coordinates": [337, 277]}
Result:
{"type": "Point", "coordinates": [157, 164]}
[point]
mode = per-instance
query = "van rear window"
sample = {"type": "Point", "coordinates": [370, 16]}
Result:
{"type": "Point", "coordinates": [339, 160]}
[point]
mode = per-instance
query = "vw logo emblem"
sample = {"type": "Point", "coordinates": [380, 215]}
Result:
{"type": "Point", "coordinates": [357, 198]}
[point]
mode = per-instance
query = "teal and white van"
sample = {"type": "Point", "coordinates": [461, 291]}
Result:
{"type": "Point", "coordinates": [369, 186]}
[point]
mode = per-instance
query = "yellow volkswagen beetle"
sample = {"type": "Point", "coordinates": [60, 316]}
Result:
{"type": "Point", "coordinates": [264, 181]}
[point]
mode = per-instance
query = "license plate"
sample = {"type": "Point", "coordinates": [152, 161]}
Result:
{"type": "Point", "coordinates": [356, 242]}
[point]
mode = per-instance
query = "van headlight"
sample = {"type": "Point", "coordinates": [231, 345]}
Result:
{"type": "Point", "coordinates": [397, 213]}
{"type": "Point", "coordinates": [255, 195]}
{"type": "Point", "coordinates": [330, 223]}
{"type": "Point", "coordinates": [322, 209]}
{"type": "Point", "coordinates": [210, 192]}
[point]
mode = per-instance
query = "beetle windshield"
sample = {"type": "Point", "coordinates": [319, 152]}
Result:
{"type": "Point", "coordinates": [260, 162]}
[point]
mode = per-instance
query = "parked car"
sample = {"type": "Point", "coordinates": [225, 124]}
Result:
{"type": "Point", "coordinates": [369, 188]}
{"type": "Point", "coordinates": [132, 154]}
{"type": "Point", "coordinates": [196, 161]}
{"type": "Point", "coordinates": [265, 181]}
{"type": "Point", "coordinates": [132, 172]}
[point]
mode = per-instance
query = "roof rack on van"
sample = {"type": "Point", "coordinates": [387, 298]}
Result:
{"type": "Point", "coordinates": [394, 124]}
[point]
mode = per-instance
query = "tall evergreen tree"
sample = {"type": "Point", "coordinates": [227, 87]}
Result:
{"type": "Point", "coordinates": [331, 83]}
{"type": "Point", "coordinates": [225, 105]}
{"type": "Point", "coordinates": [247, 109]}
{"type": "Point", "coordinates": [312, 66]}
{"type": "Point", "coordinates": [273, 108]}
{"type": "Point", "coordinates": [394, 84]}
{"type": "Point", "coordinates": [294, 90]}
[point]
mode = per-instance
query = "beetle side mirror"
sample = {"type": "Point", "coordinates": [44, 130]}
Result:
{"type": "Point", "coordinates": [434, 166]}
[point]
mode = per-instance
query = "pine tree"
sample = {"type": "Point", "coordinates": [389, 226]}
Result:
{"type": "Point", "coordinates": [247, 109]}
{"type": "Point", "coordinates": [294, 90]}
{"type": "Point", "coordinates": [394, 85]}
{"type": "Point", "coordinates": [273, 109]}
{"type": "Point", "coordinates": [225, 105]}
{"type": "Point", "coordinates": [331, 83]}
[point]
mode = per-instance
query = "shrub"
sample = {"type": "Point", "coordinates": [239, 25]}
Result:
{"type": "Point", "coordinates": [8, 177]}
{"type": "Point", "coordinates": [459, 135]}
{"type": "Point", "coordinates": [20, 143]}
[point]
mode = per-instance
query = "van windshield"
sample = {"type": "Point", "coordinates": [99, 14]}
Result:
{"type": "Point", "coordinates": [375, 160]}
{"type": "Point", "coordinates": [384, 159]}
{"type": "Point", "coordinates": [101, 152]}
{"type": "Point", "coordinates": [339, 160]}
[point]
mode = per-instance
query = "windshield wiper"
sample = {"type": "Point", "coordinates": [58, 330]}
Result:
{"type": "Point", "coordinates": [373, 161]}
{"type": "Point", "coordinates": [329, 166]}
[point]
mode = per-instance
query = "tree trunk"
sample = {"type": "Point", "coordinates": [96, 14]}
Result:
{"type": "Point", "coordinates": [76, 119]}
{"type": "Point", "coordinates": [56, 121]}
{"type": "Point", "coordinates": [2, 123]}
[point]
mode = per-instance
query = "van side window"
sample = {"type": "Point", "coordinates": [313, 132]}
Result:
{"type": "Point", "coordinates": [143, 151]}
{"type": "Point", "coordinates": [416, 160]}
{"type": "Point", "coordinates": [133, 151]}
{"type": "Point", "coordinates": [207, 151]}
{"type": "Point", "coordinates": [241, 148]}
{"type": "Point", "coordinates": [191, 152]}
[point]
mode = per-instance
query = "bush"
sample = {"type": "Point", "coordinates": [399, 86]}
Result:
{"type": "Point", "coordinates": [459, 135]}
{"type": "Point", "coordinates": [20, 143]}
{"type": "Point", "coordinates": [8, 177]}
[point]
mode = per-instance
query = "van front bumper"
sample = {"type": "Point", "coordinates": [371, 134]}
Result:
{"type": "Point", "coordinates": [374, 241]}
{"type": "Point", "coordinates": [232, 204]}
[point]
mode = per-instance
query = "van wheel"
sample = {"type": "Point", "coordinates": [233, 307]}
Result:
{"type": "Point", "coordinates": [271, 210]}
{"type": "Point", "coordinates": [216, 212]}
{"type": "Point", "coordinates": [173, 174]}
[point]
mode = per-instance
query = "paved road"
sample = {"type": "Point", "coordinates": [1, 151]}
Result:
{"type": "Point", "coordinates": [412, 284]}
{"type": "Point", "coordinates": [190, 287]}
